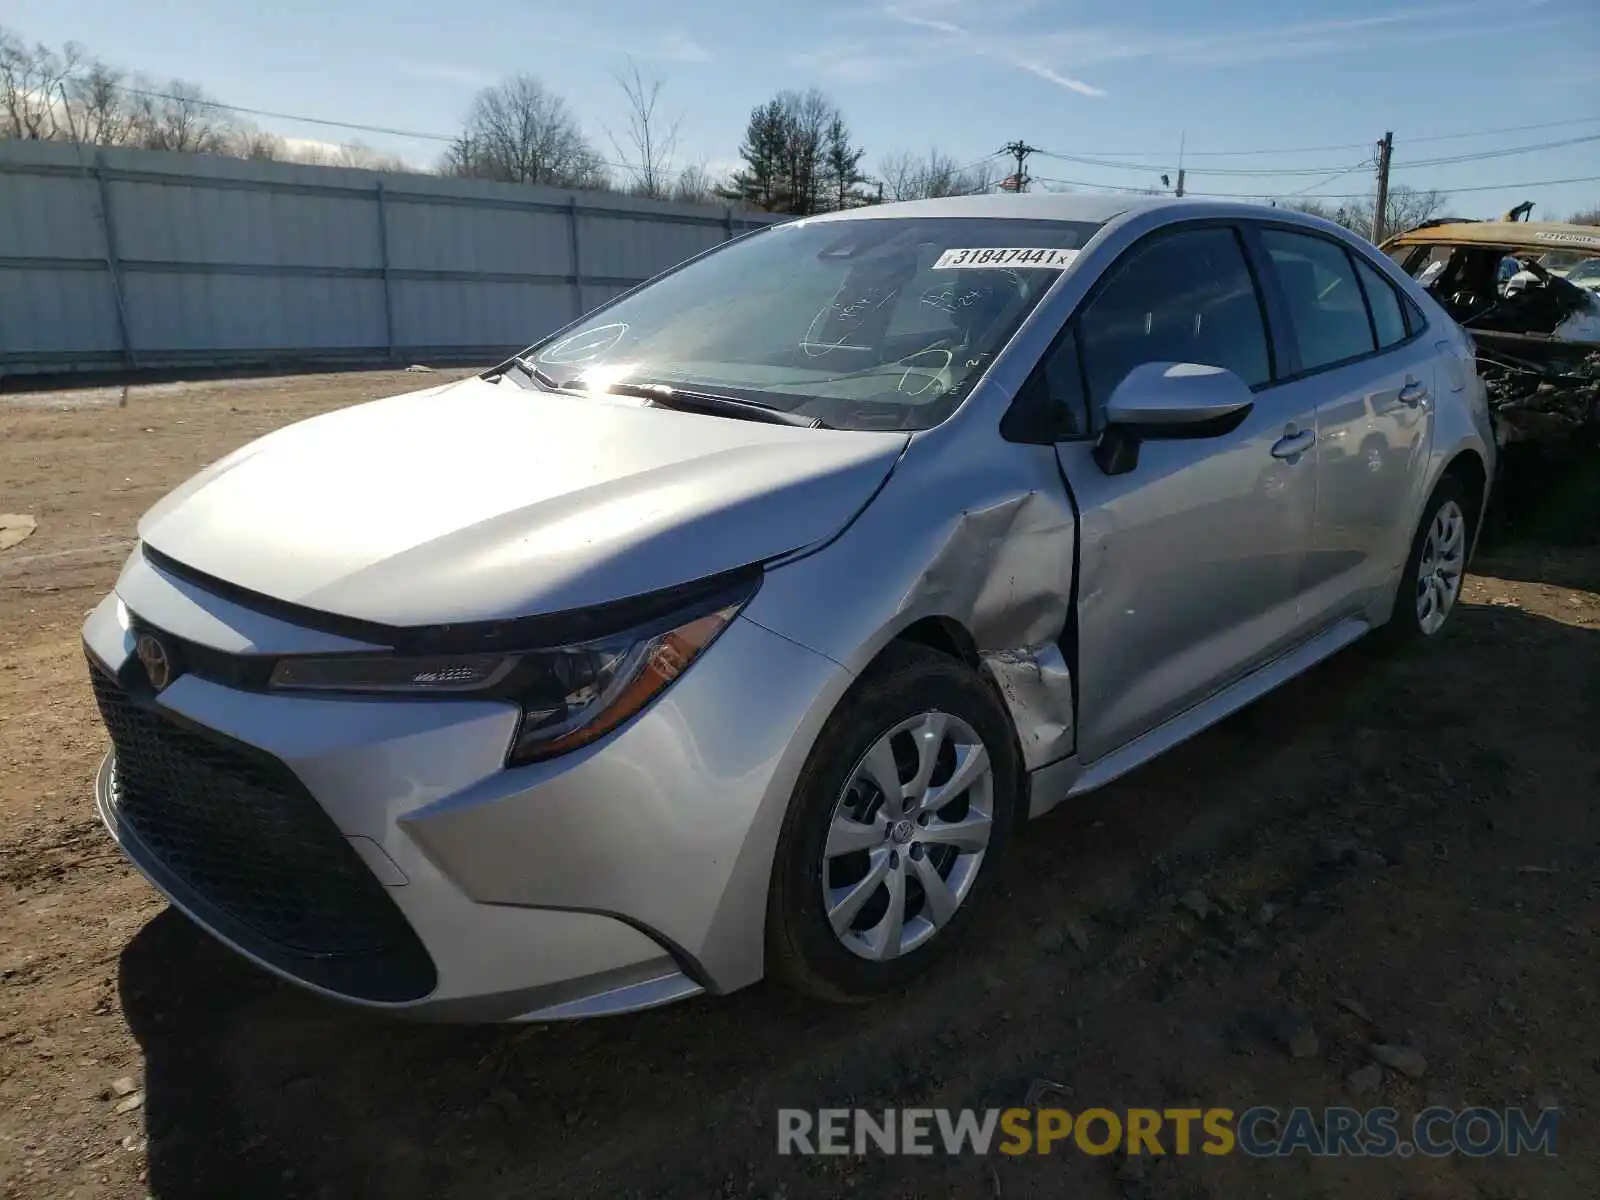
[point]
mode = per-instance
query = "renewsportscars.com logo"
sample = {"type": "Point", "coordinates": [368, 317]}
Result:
{"type": "Point", "coordinates": [1259, 1132]}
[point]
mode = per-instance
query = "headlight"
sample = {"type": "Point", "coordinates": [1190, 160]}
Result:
{"type": "Point", "coordinates": [569, 695]}
{"type": "Point", "coordinates": [580, 693]}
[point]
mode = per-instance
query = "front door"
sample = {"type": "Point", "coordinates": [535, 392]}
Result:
{"type": "Point", "coordinates": [1190, 564]}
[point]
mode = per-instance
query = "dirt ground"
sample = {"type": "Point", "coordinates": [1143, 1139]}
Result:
{"type": "Point", "coordinates": [1412, 837]}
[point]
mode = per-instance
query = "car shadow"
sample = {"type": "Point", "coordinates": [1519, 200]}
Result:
{"type": "Point", "coordinates": [1575, 566]}
{"type": "Point", "coordinates": [254, 1088]}
{"type": "Point", "coordinates": [1543, 523]}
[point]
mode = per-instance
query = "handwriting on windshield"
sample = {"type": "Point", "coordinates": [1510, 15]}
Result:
{"type": "Point", "coordinates": [585, 345]}
{"type": "Point", "coordinates": [838, 319]}
{"type": "Point", "coordinates": [949, 298]}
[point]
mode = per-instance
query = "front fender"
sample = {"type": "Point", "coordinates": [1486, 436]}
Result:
{"type": "Point", "coordinates": [974, 530]}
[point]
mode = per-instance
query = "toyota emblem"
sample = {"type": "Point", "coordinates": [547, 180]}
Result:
{"type": "Point", "coordinates": [157, 662]}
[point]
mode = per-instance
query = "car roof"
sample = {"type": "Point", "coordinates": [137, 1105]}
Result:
{"type": "Point", "coordinates": [1034, 206]}
{"type": "Point", "coordinates": [1095, 209]}
{"type": "Point", "coordinates": [1509, 235]}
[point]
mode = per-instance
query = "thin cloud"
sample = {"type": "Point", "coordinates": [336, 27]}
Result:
{"type": "Point", "coordinates": [673, 46]}
{"type": "Point", "coordinates": [681, 48]}
{"type": "Point", "coordinates": [447, 73]}
{"type": "Point", "coordinates": [996, 49]}
{"type": "Point", "coordinates": [1021, 35]}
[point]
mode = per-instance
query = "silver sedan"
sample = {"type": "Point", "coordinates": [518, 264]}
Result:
{"type": "Point", "coordinates": [735, 629]}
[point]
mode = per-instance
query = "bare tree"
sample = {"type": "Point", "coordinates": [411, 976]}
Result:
{"type": "Point", "coordinates": [1589, 216]}
{"type": "Point", "coordinates": [365, 158]}
{"type": "Point", "coordinates": [519, 132]}
{"type": "Point", "coordinates": [924, 177]}
{"type": "Point", "coordinates": [262, 147]}
{"type": "Point", "coordinates": [180, 116]}
{"type": "Point", "coordinates": [33, 88]}
{"type": "Point", "coordinates": [652, 138]}
{"type": "Point", "coordinates": [810, 116]}
{"type": "Point", "coordinates": [694, 185]}
{"type": "Point", "coordinates": [347, 154]}
{"type": "Point", "coordinates": [1407, 207]}
{"type": "Point", "coordinates": [97, 105]}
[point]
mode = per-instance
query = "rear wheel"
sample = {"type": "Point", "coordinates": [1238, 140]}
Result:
{"type": "Point", "coordinates": [896, 831]}
{"type": "Point", "coordinates": [1437, 566]}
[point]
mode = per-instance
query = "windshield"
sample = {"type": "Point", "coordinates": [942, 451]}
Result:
{"type": "Point", "coordinates": [1585, 272]}
{"type": "Point", "coordinates": [880, 323]}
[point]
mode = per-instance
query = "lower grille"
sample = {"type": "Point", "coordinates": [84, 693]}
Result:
{"type": "Point", "coordinates": [253, 853]}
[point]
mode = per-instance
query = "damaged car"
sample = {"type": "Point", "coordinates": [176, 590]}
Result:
{"type": "Point", "coordinates": [736, 629]}
{"type": "Point", "coordinates": [1526, 292]}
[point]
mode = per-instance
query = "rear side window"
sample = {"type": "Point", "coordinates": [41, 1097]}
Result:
{"type": "Point", "coordinates": [1184, 297]}
{"type": "Point", "coordinates": [1325, 302]}
{"type": "Point", "coordinates": [1385, 305]}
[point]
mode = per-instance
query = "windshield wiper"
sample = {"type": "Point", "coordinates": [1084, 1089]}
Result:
{"type": "Point", "coordinates": [543, 378]}
{"type": "Point", "coordinates": [669, 396]}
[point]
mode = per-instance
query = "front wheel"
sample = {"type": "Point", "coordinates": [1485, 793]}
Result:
{"type": "Point", "coordinates": [896, 831]}
{"type": "Point", "coordinates": [1437, 565]}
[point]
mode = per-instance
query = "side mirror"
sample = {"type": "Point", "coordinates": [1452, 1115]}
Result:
{"type": "Point", "coordinates": [1166, 401]}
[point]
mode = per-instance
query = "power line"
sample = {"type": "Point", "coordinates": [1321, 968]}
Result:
{"type": "Point", "coordinates": [1084, 160]}
{"type": "Point", "coordinates": [978, 162]}
{"type": "Point", "coordinates": [1476, 156]}
{"type": "Point", "coordinates": [1503, 152]}
{"type": "Point", "coordinates": [278, 116]}
{"type": "Point", "coordinates": [1446, 137]}
{"type": "Point", "coordinates": [1011, 150]}
{"type": "Point", "coordinates": [353, 125]}
{"type": "Point", "coordinates": [1488, 187]}
{"type": "Point", "coordinates": [1435, 137]}
{"type": "Point", "coordinates": [1360, 166]}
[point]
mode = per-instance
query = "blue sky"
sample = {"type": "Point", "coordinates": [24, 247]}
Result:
{"type": "Point", "coordinates": [1116, 81]}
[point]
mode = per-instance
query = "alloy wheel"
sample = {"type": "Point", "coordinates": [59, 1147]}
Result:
{"type": "Point", "coordinates": [907, 836]}
{"type": "Point", "coordinates": [1439, 569]}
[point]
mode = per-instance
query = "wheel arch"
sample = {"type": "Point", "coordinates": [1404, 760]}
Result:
{"type": "Point", "coordinates": [1468, 467]}
{"type": "Point", "coordinates": [947, 635]}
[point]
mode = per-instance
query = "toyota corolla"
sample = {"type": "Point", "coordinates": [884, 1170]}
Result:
{"type": "Point", "coordinates": [737, 628]}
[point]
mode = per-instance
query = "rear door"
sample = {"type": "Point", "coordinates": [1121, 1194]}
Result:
{"type": "Point", "coordinates": [1368, 367]}
{"type": "Point", "coordinates": [1189, 563]}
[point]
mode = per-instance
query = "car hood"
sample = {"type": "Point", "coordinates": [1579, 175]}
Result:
{"type": "Point", "coordinates": [480, 500]}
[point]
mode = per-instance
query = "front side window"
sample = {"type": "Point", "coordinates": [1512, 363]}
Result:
{"type": "Point", "coordinates": [1059, 380]}
{"type": "Point", "coordinates": [1385, 305]}
{"type": "Point", "coordinates": [875, 323]}
{"type": "Point", "coordinates": [1182, 297]}
{"type": "Point", "coordinates": [1325, 302]}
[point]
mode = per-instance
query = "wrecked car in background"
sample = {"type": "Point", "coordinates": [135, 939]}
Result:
{"type": "Point", "coordinates": [1522, 290]}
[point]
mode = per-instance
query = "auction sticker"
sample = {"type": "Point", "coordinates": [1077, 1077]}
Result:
{"type": "Point", "coordinates": [1004, 256]}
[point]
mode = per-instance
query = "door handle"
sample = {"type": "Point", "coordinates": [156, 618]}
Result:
{"type": "Point", "coordinates": [1293, 445]}
{"type": "Point", "coordinates": [1413, 393]}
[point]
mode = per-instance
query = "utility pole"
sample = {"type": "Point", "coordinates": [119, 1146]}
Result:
{"type": "Point", "coordinates": [1178, 191]}
{"type": "Point", "coordinates": [1020, 151]}
{"type": "Point", "coordinates": [1385, 149]}
{"type": "Point", "coordinates": [1182, 137]}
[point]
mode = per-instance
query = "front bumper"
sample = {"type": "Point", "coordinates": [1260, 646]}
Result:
{"type": "Point", "coordinates": [627, 874]}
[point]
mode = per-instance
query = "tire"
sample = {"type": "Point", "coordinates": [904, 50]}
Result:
{"type": "Point", "coordinates": [1448, 520]}
{"type": "Point", "coordinates": [836, 795]}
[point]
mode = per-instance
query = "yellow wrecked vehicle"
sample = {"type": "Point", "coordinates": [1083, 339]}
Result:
{"type": "Point", "coordinates": [1537, 332]}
